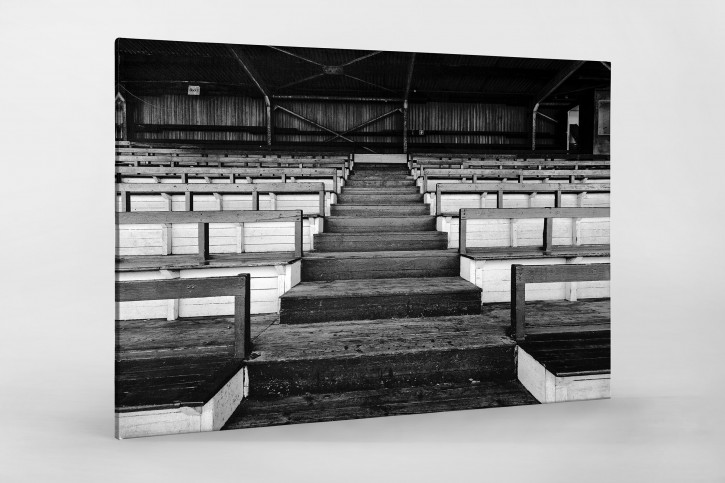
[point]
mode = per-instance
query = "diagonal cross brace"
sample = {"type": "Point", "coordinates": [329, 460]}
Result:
{"type": "Point", "coordinates": [366, 123]}
{"type": "Point", "coordinates": [317, 125]}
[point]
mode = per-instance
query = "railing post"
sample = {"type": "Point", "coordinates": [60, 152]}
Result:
{"type": "Point", "coordinates": [203, 237]}
{"type": "Point", "coordinates": [242, 326]}
{"type": "Point", "coordinates": [499, 199]}
{"type": "Point", "coordinates": [322, 203]}
{"type": "Point", "coordinates": [462, 231]}
{"type": "Point", "coordinates": [255, 200]}
{"type": "Point", "coordinates": [438, 200]}
{"type": "Point", "coordinates": [188, 201]}
{"type": "Point", "coordinates": [298, 235]}
{"type": "Point", "coordinates": [518, 303]}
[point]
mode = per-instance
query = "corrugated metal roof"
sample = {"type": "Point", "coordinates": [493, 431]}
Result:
{"type": "Point", "coordinates": [299, 71]}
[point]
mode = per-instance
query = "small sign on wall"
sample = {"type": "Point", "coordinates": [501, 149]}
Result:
{"type": "Point", "coordinates": [194, 90]}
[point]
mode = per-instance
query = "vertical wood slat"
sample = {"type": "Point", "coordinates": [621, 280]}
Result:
{"type": "Point", "coordinates": [462, 231]}
{"type": "Point", "coordinates": [298, 235]}
{"type": "Point", "coordinates": [548, 234]}
{"type": "Point", "coordinates": [322, 203]}
{"type": "Point", "coordinates": [255, 200]}
{"type": "Point", "coordinates": [188, 201]}
{"type": "Point", "coordinates": [499, 199]}
{"type": "Point", "coordinates": [518, 304]}
{"type": "Point", "coordinates": [125, 201]}
{"type": "Point", "coordinates": [438, 200]}
{"type": "Point", "coordinates": [203, 237]}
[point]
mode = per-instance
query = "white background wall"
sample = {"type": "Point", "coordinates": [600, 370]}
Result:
{"type": "Point", "coordinates": [665, 422]}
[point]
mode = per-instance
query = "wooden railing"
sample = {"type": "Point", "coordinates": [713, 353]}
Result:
{"type": "Point", "coordinates": [237, 287]}
{"type": "Point", "coordinates": [548, 214]}
{"type": "Point", "coordinates": [203, 218]}
{"type": "Point", "coordinates": [523, 274]}
{"type": "Point", "coordinates": [189, 189]}
{"type": "Point", "coordinates": [515, 174]}
{"type": "Point", "coordinates": [500, 188]}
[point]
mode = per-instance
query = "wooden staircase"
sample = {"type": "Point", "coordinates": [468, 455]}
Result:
{"type": "Point", "coordinates": [381, 322]}
{"type": "Point", "coordinates": [380, 256]}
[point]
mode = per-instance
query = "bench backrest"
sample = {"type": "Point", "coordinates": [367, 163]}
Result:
{"type": "Point", "coordinates": [518, 174]}
{"type": "Point", "coordinates": [548, 214]}
{"type": "Point", "coordinates": [501, 188]}
{"type": "Point", "coordinates": [237, 286]}
{"type": "Point", "coordinates": [523, 274]}
{"type": "Point", "coordinates": [203, 218]}
{"type": "Point", "coordinates": [232, 174]}
{"type": "Point", "coordinates": [189, 189]}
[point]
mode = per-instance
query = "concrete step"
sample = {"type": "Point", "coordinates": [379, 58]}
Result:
{"type": "Point", "coordinates": [358, 224]}
{"type": "Point", "coordinates": [412, 209]}
{"type": "Point", "coordinates": [382, 401]}
{"type": "Point", "coordinates": [341, 300]}
{"type": "Point", "coordinates": [321, 266]}
{"type": "Point", "coordinates": [382, 199]}
{"type": "Point", "coordinates": [367, 242]}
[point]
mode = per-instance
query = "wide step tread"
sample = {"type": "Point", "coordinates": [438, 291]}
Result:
{"type": "Point", "coordinates": [378, 402]}
{"type": "Point", "coordinates": [311, 302]}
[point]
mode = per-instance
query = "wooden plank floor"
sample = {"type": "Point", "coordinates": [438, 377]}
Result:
{"type": "Point", "coordinates": [171, 382]}
{"type": "Point", "coordinates": [190, 337]}
{"type": "Point", "coordinates": [557, 316]}
{"type": "Point", "coordinates": [311, 408]}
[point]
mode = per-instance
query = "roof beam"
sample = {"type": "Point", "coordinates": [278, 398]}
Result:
{"type": "Point", "coordinates": [251, 72]}
{"type": "Point", "coordinates": [295, 55]}
{"type": "Point", "coordinates": [409, 80]}
{"type": "Point", "coordinates": [557, 81]}
{"type": "Point", "coordinates": [360, 58]}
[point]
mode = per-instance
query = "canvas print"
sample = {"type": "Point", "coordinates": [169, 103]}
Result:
{"type": "Point", "coordinates": [315, 234]}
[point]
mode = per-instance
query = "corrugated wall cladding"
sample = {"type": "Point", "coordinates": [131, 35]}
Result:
{"type": "Point", "coordinates": [439, 116]}
{"type": "Point", "coordinates": [200, 110]}
{"type": "Point", "coordinates": [339, 117]}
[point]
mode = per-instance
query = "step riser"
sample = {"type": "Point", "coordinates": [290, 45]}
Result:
{"type": "Point", "coordinates": [379, 183]}
{"type": "Point", "coordinates": [302, 311]}
{"type": "Point", "coordinates": [373, 210]}
{"type": "Point", "coordinates": [381, 191]}
{"type": "Point", "coordinates": [333, 245]}
{"type": "Point", "coordinates": [379, 199]}
{"type": "Point", "coordinates": [380, 224]}
{"type": "Point", "coordinates": [379, 177]}
{"type": "Point", "coordinates": [389, 267]}
{"type": "Point", "coordinates": [280, 379]}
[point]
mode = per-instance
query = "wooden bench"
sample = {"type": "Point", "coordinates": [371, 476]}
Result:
{"type": "Point", "coordinates": [501, 188]}
{"type": "Point", "coordinates": [508, 161]}
{"type": "Point", "coordinates": [190, 189]}
{"type": "Point", "coordinates": [548, 214]}
{"type": "Point", "coordinates": [135, 156]}
{"type": "Point", "coordinates": [164, 394]}
{"type": "Point", "coordinates": [126, 174]}
{"type": "Point", "coordinates": [570, 362]}
{"type": "Point", "coordinates": [203, 218]}
{"type": "Point", "coordinates": [572, 175]}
